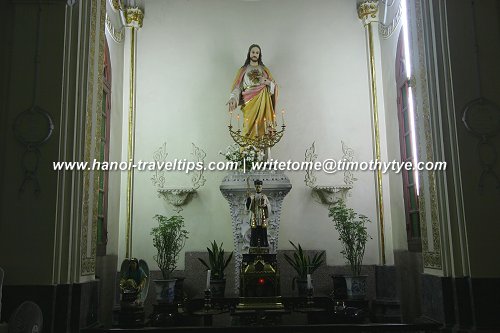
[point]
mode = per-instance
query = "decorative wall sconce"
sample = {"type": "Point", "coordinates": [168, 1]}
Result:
{"type": "Point", "coordinates": [328, 194]}
{"type": "Point", "coordinates": [178, 196]}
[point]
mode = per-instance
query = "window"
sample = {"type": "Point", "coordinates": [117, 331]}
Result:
{"type": "Point", "coordinates": [102, 208]}
{"type": "Point", "coordinates": [407, 140]}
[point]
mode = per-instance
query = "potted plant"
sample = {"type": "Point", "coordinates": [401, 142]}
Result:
{"type": "Point", "coordinates": [303, 265]}
{"type": "Point", "coordinates": [217, 264]}
{"type": "Point", "coordinates": [169, 237]}
{"type": "Point", "coordinates": [351, 227]}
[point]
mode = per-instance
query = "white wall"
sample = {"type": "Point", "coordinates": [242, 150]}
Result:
{"type": "Point", "coordinates": [388, 58]}
{"type": "Point", "coordinates": [116, 143]}
{"type": "Point", "coordinates": [188, 54]}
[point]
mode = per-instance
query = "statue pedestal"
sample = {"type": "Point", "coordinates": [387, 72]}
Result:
{"type": "Point", "coordinates": [259, 281]}
{"type": "Point", "coordinates": [235, 187]}
{"type": "Point", "coordinates": [131, 315]}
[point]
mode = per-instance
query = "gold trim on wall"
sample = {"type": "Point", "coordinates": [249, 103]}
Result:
{"type": "Point", "coordinates": [92, 133]}
{"type": "Point", "coordinates": [116, 34]}
{"type": "Point", "coordinates": [131, 147]}
{"type": "Point", "coordinates": [115, 4]}
{"type": "Point", "coordinates": [376, 129]}
{"type": "Point", "coordinates": [386, 30]}
{"type": "Point", "coordinates": [432, 257]}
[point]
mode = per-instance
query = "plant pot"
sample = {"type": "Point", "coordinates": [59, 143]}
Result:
{"type": "Point", "coordinates": [356, 286]}
{"type": "Point", "coordinates": [165, 291]}
{"type": "Point", "coordinates": [301, 287]}
{"type": "Point", "coordinates": [218, 288]}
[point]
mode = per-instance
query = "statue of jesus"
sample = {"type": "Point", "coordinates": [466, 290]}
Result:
{"type": "Point", "coordinates": [255, 90]}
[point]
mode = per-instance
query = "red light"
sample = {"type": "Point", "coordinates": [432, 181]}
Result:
{"type": "Point", "coordinates": [262, 280]}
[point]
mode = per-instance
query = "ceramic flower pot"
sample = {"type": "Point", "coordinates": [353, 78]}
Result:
{"type": "Point", "coordinates": [301, 287]}
{"type": "Point", "coordinates": [356, 286]}
{"type": "Point", "coordinates": [218, 288]}
{"type": "Point", "coordinates": [165, 291]}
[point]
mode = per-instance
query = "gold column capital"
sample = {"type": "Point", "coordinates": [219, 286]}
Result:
{"type": "Point", "coordinates": [367, 9]}
{"type": "Point", "coordinates": [134, 17]}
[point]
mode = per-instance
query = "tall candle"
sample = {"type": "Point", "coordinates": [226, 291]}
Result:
{"type": "Point", "coordinates": [208, 280]}
{"type": "Point", "coordinates": [238, 121]}
{"type": "Point", "coordinates": [283, 116]}
{"type": "Point", "coordinates": [230, 118]}
{"type": "Point", "coordinates": [309, 282]}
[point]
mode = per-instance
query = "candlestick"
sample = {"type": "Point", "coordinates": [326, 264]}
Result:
{"type": "Point", "coordinates": [208, 300]}
{"type": "Point", "coordinates": [309, 282]}
{"type": "Point", "coordinates": [208, 280]}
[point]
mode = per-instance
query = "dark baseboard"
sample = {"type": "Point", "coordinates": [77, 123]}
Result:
{"type": "Point", "coordinates": [463, 302]}
{"type": "Point", "coordinates": [485, 295]}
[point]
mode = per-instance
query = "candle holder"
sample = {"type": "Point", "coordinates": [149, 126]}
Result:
{"type": "Point", "coordinates": [339, 307]}
{"type": "Point", "coordinates": [309, 306]}
{"type": "Point", "coordinates": [267, 140]}
{"type": "Point", "coordinates": [208, 300]}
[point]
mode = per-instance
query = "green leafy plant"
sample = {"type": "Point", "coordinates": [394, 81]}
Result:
{"type": "Point", "coordinates": [216, 262]}
{"type": "Point", "coordinates": [303, 264]}
{"type": "Point", "coordinates": [169, 237]}
{"type": "Point", "coordinates": [352, 233]}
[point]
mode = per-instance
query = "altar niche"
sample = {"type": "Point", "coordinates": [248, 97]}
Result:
{"type": "Point", "coordinates": [259, 273]}
{"type": "Point", "coordinates": [235, 188]}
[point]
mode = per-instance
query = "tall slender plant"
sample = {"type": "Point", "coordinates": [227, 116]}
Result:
{"type": "Point", "coordinates": [303, 264]}
{"type": "Point", "coordinates": [216, 262]}
{"type": "Point", "coordinates": [352, 233]}
{"type": "Point", "coordinates": [169, 237]}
